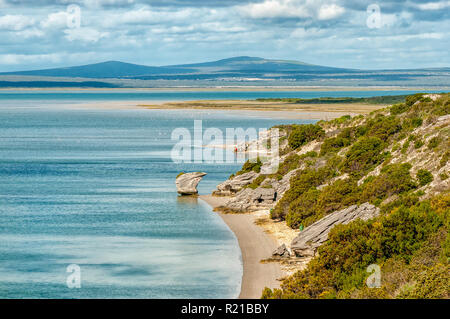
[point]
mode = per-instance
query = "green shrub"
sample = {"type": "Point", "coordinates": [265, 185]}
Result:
{"type": "Point", "coordinates": [383, 126]}
{"type": "Point", "coordinates": [313, 204]}
{"type": "Point", "coordinates": [290, 163]}
{"type": "Point", "coordinates": [303, 134]}
{"type": "Point", "coordinates": [398, 108]}
{"type": "Point", "coordinates": [405, 229]}
{"type": "Point", "coordinates": [333, 144]}
{"type": "Point", "coordinates": [430, 284]}
{"type": "Point", "coordinates": [424, 177]}
{"type": "Point", "coordinates": [418, 143]}
{"type": "Point", "coordinates": [433, 142]}
{"type": "Point", "coordinates": [393, 179]}
{"type": "Point", "coordinates": [257, 182]}
{"type": "Point", "coordinates": [411, 99]}
{"type": "Point", "coordinates": [299, 184]}
{"type": "Point", "coordinates": [302, 208]}
{"type": "Point", "coordinates": [310, 154]}
{"type": "Point", "coordinates": [250, 166]}
{"type": "Point", "coordinates": [405, 146]}
{"type": "Point", "coordinates": [444, 159]}
{"type": "Point", "coordinates": [363, 155]}
{"type": "Point", "coordinates": [416, 122]}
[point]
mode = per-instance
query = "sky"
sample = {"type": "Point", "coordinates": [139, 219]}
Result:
{"type": "Point", "coordinates": [36, 34]}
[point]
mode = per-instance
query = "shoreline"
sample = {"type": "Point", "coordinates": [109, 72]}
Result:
{"type": "Point", "coordinates": [252, 108]}
{"type": "Point", "coordinates": [255, 245]}
{"type": "Point", "coordinates": [248, 88]}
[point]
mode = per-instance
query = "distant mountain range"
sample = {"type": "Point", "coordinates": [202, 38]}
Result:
{"type": "Point", "coordinates": [240, 66]}
{"type": "Point", "coordinates": [238, 70]}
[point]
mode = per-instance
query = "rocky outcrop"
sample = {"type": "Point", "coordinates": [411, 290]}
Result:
{"type": "Point", "coordinates": [281, 252]}
{"type": "Point", "coordinates": [235, 184]}
{"type": "Point", "coordinates": [251, 199]}
{"type": "Point", "coordinates": [308, 240]}
{"type": "Point", "coordinates": [187, 183]}
{"type": "Point", "coordinates": [281, 186]}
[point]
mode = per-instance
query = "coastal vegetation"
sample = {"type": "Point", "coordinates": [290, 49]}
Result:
{"type": "Point", "coordinates": [390, 99]}
{"type": "Point", "coordinates": [360, 161]}
{"type": "Point", "coordinates": [394, 158]}
{"type": "Point", "coordinates": [410, 243]}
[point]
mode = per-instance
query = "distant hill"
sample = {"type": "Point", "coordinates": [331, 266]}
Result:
{"type": "Point", "coordinates": [238, 71]}
{"type": "Point", "coordinates": [238, 65]}
{"type": "Point", "coordinates": [109, 69]}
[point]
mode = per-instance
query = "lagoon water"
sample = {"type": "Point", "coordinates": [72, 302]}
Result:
{"type": "Point", "coordinates": [96, 188]}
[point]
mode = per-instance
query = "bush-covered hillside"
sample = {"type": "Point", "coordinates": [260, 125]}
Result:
{"type": "Point", "coordinates": [396, 159]}
{"type": "Point", "coordinates": [391, 153]}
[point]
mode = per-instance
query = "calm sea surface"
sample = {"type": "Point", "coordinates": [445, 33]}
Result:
{"type": "Point", "coordinates": [96, 188]}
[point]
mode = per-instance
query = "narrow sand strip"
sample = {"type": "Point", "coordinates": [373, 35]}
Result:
{"type": "Point", "coordinates": [255, 246]}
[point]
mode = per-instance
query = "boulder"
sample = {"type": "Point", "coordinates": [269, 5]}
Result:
{"type": "Point", "coordinates": [235, 184]}
{"type": "Point", "coordinates": [187, 183]}
{"type": "Point", "coordinates": [252, 199]}
{"type": "Point", "coordinates": [281, 251]}
{"type": "Point", "coordinates": [308, 240]}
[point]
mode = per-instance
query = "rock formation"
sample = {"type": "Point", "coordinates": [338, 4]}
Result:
{"type": "Point", "coordinates": [252, 199]}
{"type": "Point", "coordinates": [187, 183]}
{"type": "Point", "coordinates": [235, 184]}
{"type": "Point", "coordinates": [281, 251]}
{"type": "Point", "coordinates": [308, 240]}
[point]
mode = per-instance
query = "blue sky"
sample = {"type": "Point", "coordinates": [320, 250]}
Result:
{"type": "Point", "coordinates": [38, 34]}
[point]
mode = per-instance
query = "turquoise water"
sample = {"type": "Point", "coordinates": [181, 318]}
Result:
{"type": "Point", "coordinates": [71, 96]}
{"type": "Point", "coordinates": [96, 188]}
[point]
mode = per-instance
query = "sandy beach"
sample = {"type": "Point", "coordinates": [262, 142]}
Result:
{"type": "Point", "coordinates": [279, 110]}
{"type": "Point", "coordinates": [256, 245]}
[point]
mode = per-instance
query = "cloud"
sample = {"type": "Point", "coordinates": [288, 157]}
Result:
{"type": "Point", "coordinates": [275, 9]}
{"type": "Point", "coordinates": [303, 9]}
{"type": "Point", "coordinates": [56, 20]}
{"type": "Point", "coordinates": [330, 11]}
{"type": "Point", "coordinates": [332, 32]}
{"type": "Point", "coordinates": [434, 5]}
{"type": "Point", "coordinates": [25, 58]}
{"type": "Point", "coordinates": [15, 22]}
{"type": "Point", "coordinates": [84, 35]}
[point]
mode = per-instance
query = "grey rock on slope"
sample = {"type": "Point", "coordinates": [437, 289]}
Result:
{"type": "Point", "coordinates": [187, 183]}
{"type": "Point", "coordinates": [235, 184]}
{"type": "Point", "coordinates": [308, 240]}
{"type": "Point", "coordinates": [252, 199]}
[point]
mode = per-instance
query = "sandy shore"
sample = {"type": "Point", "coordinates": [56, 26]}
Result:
{"type": "Point", "coordinates": [249, 108]}
{"type": "Point", "coordinates": [256, 245]}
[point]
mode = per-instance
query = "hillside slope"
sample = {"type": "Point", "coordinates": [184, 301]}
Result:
{"type": "Point", "coordinates": [394, 160]}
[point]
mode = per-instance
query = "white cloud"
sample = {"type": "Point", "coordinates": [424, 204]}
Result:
{"type": "Point", "coordinates": [101, 3]}
{"type": "Point", "coordinates": [145, 15]}
{"type": "Point", "coordinates": [31, 33]}
{"type": "Point", "coordinates": [57, 20]}
{"type": "Point", "coordinates": [24, 58]}
{"type": "Point", "coordinates": [276, 9]}
{"type": "Point", "coordinates": [434, 5]}
{"type": "Point", "coordinates": [330, 11]}
{"type": "Point", "coordinates": [15, 22]}
{"type": "Point", "coordinates": [316, 9]}
{"type": "Point", "coordinates": [84, 35]}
